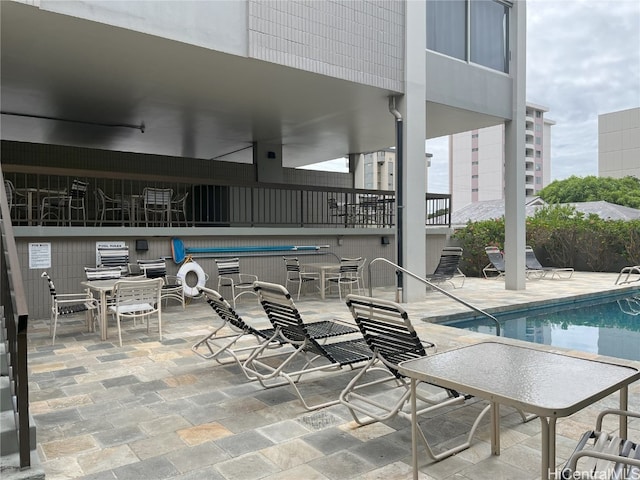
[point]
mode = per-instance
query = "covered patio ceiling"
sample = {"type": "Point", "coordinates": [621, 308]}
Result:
{"type": "Point", "coordinates": [193, 102]}
{"type": "Point", "coordinates": [70, 81]}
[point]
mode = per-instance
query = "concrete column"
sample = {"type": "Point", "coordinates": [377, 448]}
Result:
{"type": "Point", "coordinates": [267, 158]}
{"type": "Point", "coordinates": [515, 215]}
{"type": "Point", "coordinates": [413, 109]}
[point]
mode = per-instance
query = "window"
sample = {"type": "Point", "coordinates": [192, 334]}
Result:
{"type": "Point", "coordinates": [538, 154]}
{"type": "Point", "coordinates": [446, 28]}
{"type": "Point", "coordinates": [474, 190]}
{"type": "Point", "coordinates": [475, 162]}
{"type": "Point", "coordinates": [538, 114]}
{"type": "Point", "coordinates": [538, 127]}
{"type": "Point", "coordinates": [484, 22]}
{"type": "Point", "coordinates": [489, 24]}
{"type": "Point", "coordinates": [474, 176]}
{"type": "Point", "coordinates": [475, 149]}
{"type": "Point", "coordinates": [474, 135]}
{"type": "Point", "coordinates": [538, 141]}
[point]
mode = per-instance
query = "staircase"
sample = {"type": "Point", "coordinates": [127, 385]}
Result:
{"type": "Point", "coordinates": [9, 456]}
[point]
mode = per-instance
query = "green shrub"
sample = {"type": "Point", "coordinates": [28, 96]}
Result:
{"type": "Point", "coordinates": [568, 237]}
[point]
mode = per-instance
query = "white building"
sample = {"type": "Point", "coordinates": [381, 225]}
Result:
{"type": "Point", "coordinates": [477, 160]}
{"type": "Point", "coordinates": [271, 84]}
{"type": "Point", "coordinates": [619, 144]}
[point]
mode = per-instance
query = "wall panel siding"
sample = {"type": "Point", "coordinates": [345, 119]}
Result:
{"type": "Point", "coordinates": [69, 256]}
{"type": "Point", "coordinates": [356, 41]}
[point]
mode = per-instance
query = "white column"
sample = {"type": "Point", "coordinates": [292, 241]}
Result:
{"type": "Point", "coordinates": [413, 109]}
{"type": "Point", "coordinates": [514, 214]}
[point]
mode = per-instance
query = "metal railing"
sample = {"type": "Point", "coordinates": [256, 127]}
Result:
{"type": "Point", "coordinates": [14, 315]}
{"type": "Point", "coordinates": [122, 202]}
{"type": "Point", "coordinates": [431, 285]}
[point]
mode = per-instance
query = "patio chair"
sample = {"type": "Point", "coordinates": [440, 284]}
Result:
{"type": "Point", "coordinates": [156, 203]}
{"type": "Point", "coordinates": [106, 205]}
{"type": "Point", "coordinates": [229, 276]}
{"type": "Point", "coordinates": [349, 274]}
{"type": "Point", "coordinates": [534, 266]}
{"type": "Point", "coordinates": [69, 304]}
{"type": "Point", "coordinates": [114, 257]}
{"type": "Point", "coordinates": [179, 208]}
{"type": "Point", "coordinates": [172, 287]}
{"type": "Point", "coordinates": [496, 263]}
{"type": "Point", "coordinates": [628, 273]}
{"type": "Point", "coordinates": [296, 275]}
{"type": "Point", "coordinates": [17, 202]}
{"type": "Point", "coordinates": [603, 455]}
{"type": "Point", "coordinates": [448, 267]}
{"type": "Point", "coordinates": [63, 206]}
{"type": "Point", "coordinates": [311, 350]}
{"type": "Point", "coordinates": [390, 335]}
{"type": "Point", "coordinates": [219, 343]}
{"type": "Point", "coordinates": [102, 273]}
{"type": "Point", "coordinates": [137, 298]}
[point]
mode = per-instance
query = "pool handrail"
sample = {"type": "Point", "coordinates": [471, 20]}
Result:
{"type": "Point", "coordinates": [435, 287]}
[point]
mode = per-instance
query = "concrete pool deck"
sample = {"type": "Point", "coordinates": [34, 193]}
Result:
{"type": "Point", "coordinates": [156, 410]}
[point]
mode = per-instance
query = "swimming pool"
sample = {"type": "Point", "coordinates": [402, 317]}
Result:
{"type": "Point", "coordinates": [606, 326]}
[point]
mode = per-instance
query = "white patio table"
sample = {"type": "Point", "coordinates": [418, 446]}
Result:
{"type": "Point", "coordinates": [322, 268]}
{"type": "Point", "coordinates": [103, 288]}
{"type": "Point", "coordinates": [548, 384]}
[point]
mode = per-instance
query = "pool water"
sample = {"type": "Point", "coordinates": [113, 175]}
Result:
{"type": "Point", "coordinates": [609, 326]}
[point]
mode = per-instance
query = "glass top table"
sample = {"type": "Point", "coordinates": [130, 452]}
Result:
{"type": "Point", "coordinates": [548, 384]}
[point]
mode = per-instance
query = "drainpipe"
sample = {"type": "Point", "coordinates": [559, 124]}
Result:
{"type": "Point", "coordinates": [399, 196]}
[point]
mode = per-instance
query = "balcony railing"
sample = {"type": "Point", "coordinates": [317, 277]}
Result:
{"type": "Point", "coordinates": [50, 200]}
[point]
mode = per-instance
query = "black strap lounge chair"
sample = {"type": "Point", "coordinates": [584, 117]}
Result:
{"type": "Point", "coordinates": [314, 346]}
{"type": "Point", "coordinates": [496, 263]}
{"type": "Point", "coordinates": [534, 266]}
{"type": "Point", "coordinates": [218, 345]}
{"type": "Point", "coordinates": [603, 455]}
{"type": "Point", "coordinates": [448, 267]}
{"type": "Point", "coordinates": [390, 335]}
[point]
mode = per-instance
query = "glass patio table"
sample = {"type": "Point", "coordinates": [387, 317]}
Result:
{"type": "Point", "coordinates": [548, 384]}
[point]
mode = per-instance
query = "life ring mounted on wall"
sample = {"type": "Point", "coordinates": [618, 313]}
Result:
{"type": "Point", "coordinates": [192, 267]}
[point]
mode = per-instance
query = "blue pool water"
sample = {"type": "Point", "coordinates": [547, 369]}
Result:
{"type": "Point", "coordinates": [609, 326]}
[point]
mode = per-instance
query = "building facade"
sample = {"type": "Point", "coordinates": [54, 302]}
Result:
{"type": "Point", "coordinates": [477, 160]}
{"type": "Point", "coordinates": [270, 84]}
{"type": "Point", "coordinates": [619, 143]}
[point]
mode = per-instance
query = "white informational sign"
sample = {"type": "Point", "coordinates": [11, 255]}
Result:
{"type": "Point", "coordinates": [119, 244]}
{"type": "Point", "coordinates": [39, 255]}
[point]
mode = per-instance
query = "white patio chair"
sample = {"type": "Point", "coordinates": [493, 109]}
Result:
{"type": "Point", "coordinates": [296, 275]}
{"type": "Point", "coordinates": [156, 203]}
{"type": "Point", "coordinates": [229, 276]}
{"type": "Point", "coordinates": [69, 304]}
{"type": "Point", "coordinates": [137, 299]}
{"type": "Point", "coordinates": [172, 288]}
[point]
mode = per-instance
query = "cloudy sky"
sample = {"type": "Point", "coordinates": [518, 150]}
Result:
{"type": "Point", "coordinates": [583, 60]}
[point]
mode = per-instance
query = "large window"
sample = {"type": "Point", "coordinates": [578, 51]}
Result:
{"type": "Point", "coordinates": [489, 34]}
{"type": "Point", "coordinates": [472, 30]}
{"type": "Point", "coordinates": [447, 27]}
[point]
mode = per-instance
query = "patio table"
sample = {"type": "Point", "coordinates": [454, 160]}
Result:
{"type": "Point", "coordinates": [549, 384]}
{"type": "Point", "coordinates": [322, 268]}
{"type": "Point", "coordinates": [103, 288]}
{"type": "Point", "coordinates": [35, 194]}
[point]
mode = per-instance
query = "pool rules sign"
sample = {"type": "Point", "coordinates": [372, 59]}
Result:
{"type": "Point", "coordinates": [39, 255]}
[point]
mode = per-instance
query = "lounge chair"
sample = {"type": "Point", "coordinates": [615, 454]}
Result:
{"type": "Point", "coordinates": [496, 263]}
{"type": "Point", "coordinates": [219, 343]}
{"type": "Point", "coordinates": [310, 342]}
{"type": "Point", "coordinates": [603, 455]}
{"type": "Point", "coordinates": [533, 265]}
{"type": "Point", "coordinates": [628, 273]}
{"type": "Point", "coordinates": [390, 335]}
{"type": "Point", "coordinates": [448, 267]}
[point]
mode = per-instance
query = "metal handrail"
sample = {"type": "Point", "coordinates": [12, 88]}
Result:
{"type": "Point", "coordinates": [435, 287]}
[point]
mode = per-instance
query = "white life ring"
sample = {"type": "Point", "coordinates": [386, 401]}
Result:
{"type": "Point", "coordinates": [187, 268]}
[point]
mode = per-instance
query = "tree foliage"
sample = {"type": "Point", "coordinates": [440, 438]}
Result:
{"type": "Point", "coordinates": [568, 238]}
{"type": "Point", "coordinates": [621, 191]}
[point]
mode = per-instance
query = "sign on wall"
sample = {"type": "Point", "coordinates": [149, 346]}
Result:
{"type": "Point", "coordinates": [103, 244]}
{"type": "Point", "coordinates": [39, 255]}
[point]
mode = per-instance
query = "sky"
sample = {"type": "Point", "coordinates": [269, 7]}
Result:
{"type": "Point", "coordinates": [583, 60]}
